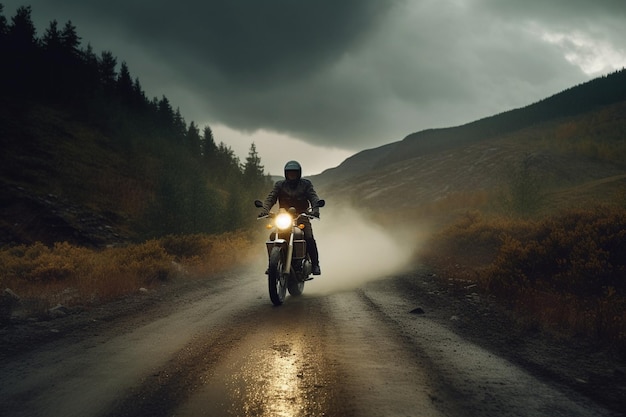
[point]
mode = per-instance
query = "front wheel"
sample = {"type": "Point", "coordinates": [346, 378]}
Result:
{"type": "Point", "coordinates": [276, 278]}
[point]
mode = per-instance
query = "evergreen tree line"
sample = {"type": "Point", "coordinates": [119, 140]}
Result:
{"type": "Point", "coordinates": [200, 187]}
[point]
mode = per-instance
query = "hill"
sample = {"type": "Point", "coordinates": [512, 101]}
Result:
{"type": "Point", "coordinates": [572, 139]}
{"type": "Point", "coordinates": [87, 158]}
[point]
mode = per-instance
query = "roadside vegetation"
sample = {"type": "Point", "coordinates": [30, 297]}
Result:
{"type": "Point", "coordinates": [564, 273]}
{"type": "Point", "coordinates": [44, 276]}
{"type": "Point", "coordinates": [551, 250]}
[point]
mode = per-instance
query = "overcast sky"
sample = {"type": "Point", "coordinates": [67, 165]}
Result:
{"type": "Point", "coordinates": [320, 80]}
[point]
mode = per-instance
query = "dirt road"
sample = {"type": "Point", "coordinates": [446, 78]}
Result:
{"type": "Point", "coordinates": [221, 349]}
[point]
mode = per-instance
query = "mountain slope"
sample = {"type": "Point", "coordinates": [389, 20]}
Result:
{"type": "Point", "coordinates": [587, 97]}
{"type": "Point", "coordinates": [357, 164]}
{"type": "Point", "coordinates": [571, 161]}
{"type": "Point", "coordinates": [62, 180]}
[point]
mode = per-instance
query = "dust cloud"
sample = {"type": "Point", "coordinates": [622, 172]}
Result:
{"type": "Point", "coordinates": [354, 250]}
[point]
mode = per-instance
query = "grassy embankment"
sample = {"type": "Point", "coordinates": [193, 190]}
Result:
{"type": "Point", "coordinates": [564, 273]}
{"type": "Point", "coordinates": [73, 275]}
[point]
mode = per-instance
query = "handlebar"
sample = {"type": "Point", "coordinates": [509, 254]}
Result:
{"type": "Point", "coordinates": [272, 214]}
{"type": "Point", "coordinates": [320, 203]}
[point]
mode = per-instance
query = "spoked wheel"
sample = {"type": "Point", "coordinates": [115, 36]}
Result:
{"type": "Point", "coordinates": [277, 280]}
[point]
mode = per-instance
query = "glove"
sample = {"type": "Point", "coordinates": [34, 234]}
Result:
{"type": "Point", "coordinates": [263, 214]}
{"type": "Point", "coordinates": [316, 214]}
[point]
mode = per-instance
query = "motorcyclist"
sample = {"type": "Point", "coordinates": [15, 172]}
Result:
{"type": "Point", "coordinates": [295, 191]}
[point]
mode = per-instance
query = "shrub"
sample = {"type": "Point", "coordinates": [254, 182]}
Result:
{"type": "Point", "coordinates": [51, 274]}
{"type": "Point", "coordinates": [149, 261]}
{"type": "Point", "coordinates": [41, 264]}
{"type": "Point", "coordinates": [581, 252]}
{"type": "Point", "coordinates": [186, 246]}
{"type": "Point", "coordinates": [566, 273]}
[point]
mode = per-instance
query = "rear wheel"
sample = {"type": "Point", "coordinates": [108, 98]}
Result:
{"type": "Point", "coordinates": [276, 278]}
{"type": "Point", "coordinates": [295, 283]}
{"type": "Point", "coordinates": [295, 287]}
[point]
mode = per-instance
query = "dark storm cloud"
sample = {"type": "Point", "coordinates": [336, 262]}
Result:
{"type": "Point", "coordinates": [350, 73]}
{"type": "Point", "coordinates": [250, 42]}
{"type": "Point", "coordinates": [251, 64]}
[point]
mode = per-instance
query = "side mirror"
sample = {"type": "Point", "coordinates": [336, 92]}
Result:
{"type": "Point", "coordinates": [258, 203]}
{"type": "Point", "coordinates": [321, 203]}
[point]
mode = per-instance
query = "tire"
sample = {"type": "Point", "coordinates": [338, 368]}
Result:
{"type": "Point", "coordinates": [295, 287]}
{"type": "Point", "coordinates": [276, 279]}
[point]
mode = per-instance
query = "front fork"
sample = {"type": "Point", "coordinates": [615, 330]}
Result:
{"type": "Point", "coordinates": [289, 252]}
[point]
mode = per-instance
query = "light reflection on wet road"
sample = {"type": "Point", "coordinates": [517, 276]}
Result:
{"type": "Point", "coordinates": [315, 356]}
{"type": "Point", "coordinates": [344, 355]}
{"type": "Point", "coordinates": [277, 369]}
{"type": "Point", "coordinates": [271, 380]}
{"type": "Point", "coordinates": [227, 352]}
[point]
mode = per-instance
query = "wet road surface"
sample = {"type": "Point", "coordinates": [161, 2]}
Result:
{"type": "Point", "coordinates": [224, 350]}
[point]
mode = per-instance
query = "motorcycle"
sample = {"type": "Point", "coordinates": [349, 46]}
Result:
{"type": "Point", "coordinates": [289, 265]}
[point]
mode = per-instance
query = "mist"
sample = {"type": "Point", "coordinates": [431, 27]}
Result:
{"type": "Point", "coordinates": [354, 250]}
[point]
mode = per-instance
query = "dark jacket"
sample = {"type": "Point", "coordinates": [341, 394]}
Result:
{"type": "Point", "coordinates": [298, 195]}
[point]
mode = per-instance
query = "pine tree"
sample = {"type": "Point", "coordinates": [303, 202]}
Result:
{"type": "Point", "coordinates": [179, 126]}
{"type": "Point", "coordinates": [52, 38]}
{"type": "Point", "coordinates": [87, 79]}
{"type": "Point", "coordinates": [106, 68]}
{"type": "Point", "coordinates": [52, 50]}
{"type": "Point", "coordinates": [252, 169]}
{"type": "Point", "coordinates": [22, 53]}
{"type": "Point", "coordinates": [22, 32]}
{"type": "Point", "coordinates": [256, 184]}
{"type": "Point", "coordinates": [208, 144]}
{"type": "Point", "coordinates": [193, 139]}
{"type": "Point", "coordinates": [4, 27]}
{"type": "Point", "coordinates": [70, 40]}
{"type": "Point", "coordinates": [4, 30]}
{"type": "Point", "coordinates": [165, 114]}
{"type": "Point", "coordinates": [124, 84]}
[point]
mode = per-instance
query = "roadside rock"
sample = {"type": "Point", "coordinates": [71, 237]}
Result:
{"type": "Point", "coordinates": [8, 301]}
{"type": "Point", "coordinates": [417, 310]}
{"type": "Point", "coordinates": [586, 366]}
{"type": "Point", "coordinates": [58, 311]}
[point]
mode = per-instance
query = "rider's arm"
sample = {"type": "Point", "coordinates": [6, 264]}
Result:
{"type": "Point", "coordinates": [272, 197]}
{"type": "Point", "coordinates": [311, 195]}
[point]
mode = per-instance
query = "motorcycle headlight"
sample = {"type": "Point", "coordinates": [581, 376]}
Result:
{"type": "Point", "coordinates": [283, 221]}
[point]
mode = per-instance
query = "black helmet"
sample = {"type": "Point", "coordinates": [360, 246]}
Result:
{"type": "Point", "coordinates": [293, 166]}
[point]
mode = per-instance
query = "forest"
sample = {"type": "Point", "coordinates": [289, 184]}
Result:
{"type": "Point", "coordinates": [63, 102]}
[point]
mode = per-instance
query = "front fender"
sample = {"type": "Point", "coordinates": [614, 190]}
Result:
{"type": "Point", "coordinates": [270, 244]}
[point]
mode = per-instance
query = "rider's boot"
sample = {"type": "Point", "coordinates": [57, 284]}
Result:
{"type": "Point", "coordinates": [311, 247]}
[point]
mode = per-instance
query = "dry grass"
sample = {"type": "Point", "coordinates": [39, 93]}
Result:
{"type": "Point", "coordinates": [73, 275]}
{"type": "Point", "coordinates": [565, 273]}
